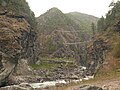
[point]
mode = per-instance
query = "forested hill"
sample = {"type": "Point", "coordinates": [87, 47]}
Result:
{"type": "Point", "coordinates": [109, 30]}
{"type": "Point", "coordinates": [83, 20]}
{"type": "Point", "coordinates": [56, 29]}
{"type": "Point", "coordinates": [111, 26]}
{"type": "Point", "coordinates": [53, 24]}
{"type": "Point", "coordinates": [54, 19]}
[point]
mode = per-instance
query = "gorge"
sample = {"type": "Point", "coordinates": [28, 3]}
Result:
{"type": "Point", "coordinates": [56, 48]}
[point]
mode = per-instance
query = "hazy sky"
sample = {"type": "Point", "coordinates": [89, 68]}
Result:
{"type": "Point", "coordinates": [92, 7]}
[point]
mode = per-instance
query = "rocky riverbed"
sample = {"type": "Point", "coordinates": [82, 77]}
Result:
{"type": "Point", "coordinates": [42, 85]}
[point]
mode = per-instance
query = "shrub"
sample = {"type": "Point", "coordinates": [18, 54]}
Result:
{"type": "Point", "coordinates": [116, 46]}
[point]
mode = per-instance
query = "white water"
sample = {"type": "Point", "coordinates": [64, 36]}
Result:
{"type": "Point", "coordinates": [47, 84]}
{"type": "Point", "coordinates": [53, 83]}
{"type": "Point", "coordinates": [88, 77]}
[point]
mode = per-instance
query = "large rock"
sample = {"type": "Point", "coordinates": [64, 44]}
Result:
{"type": "Point", "coordinates": [23, 68]}
{"type": "Point", "coordinates": [23, 86]}
{"type": "Point", "coordinates": [88, 87]}
{"type": "Point", "coordinates": [96, 54]}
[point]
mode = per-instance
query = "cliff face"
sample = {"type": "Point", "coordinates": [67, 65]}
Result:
{"type": "Point", "coordinates": [96, 54]}
{"type": "Point", "coordinates": [17, 41]}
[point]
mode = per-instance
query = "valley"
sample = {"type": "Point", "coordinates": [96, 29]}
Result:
{"type": "Point", "coordinates": [58, 51]}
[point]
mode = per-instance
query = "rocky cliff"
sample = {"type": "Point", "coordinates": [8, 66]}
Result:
{"type": "Point", "coordinates": [96, 54]}
{"type": "Point", "coordinates": [17, 38]}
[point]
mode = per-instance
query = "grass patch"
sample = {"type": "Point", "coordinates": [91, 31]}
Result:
{"type": "Point", "coordinates": [49, 63]}
{"type": "Point", "coordinates": [107, 75]}
{"type": "Point", "coordinates": [67, 59]}
{"type": "Point", "coordinates": [116, 45]}
{"type": "Point", "coordinates": [44, 65]}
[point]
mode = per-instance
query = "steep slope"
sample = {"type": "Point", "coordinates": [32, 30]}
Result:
{"type": "Point", "coordinates": [110, 26]}
{"type": "Point", "coordinates": [56, 31]}
{"type": "Point", "coordinates": [83, 20]}
{"type": "Point", "coordinates": [17, 37]}
{"type": "Point", "coordinates": [105, 48]}
{"type": "Point", "coordinates": [107, 57]}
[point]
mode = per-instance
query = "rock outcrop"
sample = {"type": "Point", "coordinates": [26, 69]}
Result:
{"type": "Point", "coordinates": [96, 52]}
{"type": "Point", "coordinates": [17, 42]}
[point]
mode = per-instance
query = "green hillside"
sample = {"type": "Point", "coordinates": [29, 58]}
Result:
{"type": "Point", "coordinates": [83, 20]}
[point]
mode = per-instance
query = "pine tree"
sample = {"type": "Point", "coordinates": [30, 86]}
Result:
{"type": "Point", "coordinates": [101, 24]}
{"type": "Point", "coordinates": [112, 3]}
{"type": "Point", "coordinates": [93, 27]}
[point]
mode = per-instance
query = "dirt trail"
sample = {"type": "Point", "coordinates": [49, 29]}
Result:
{"type": "Point", "coordinates": [111, 84]}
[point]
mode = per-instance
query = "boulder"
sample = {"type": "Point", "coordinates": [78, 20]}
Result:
{"type": "Point", "coordinates": [88, 87]}
{"type": "Point", "coordinates": [24, 86]}
{"type": "Point", "coordinates": [23, 68]}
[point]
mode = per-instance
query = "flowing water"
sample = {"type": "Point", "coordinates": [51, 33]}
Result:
{"type": "Point", "coordinates": [53, 83]}
{"type": "Point", "coordinates": [47, 84]}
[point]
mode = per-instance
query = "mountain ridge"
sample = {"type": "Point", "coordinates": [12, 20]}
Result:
{"type": "Point", "coordinates": [83, 20]}
{"type": "Point", "coordinates": [52, 25]}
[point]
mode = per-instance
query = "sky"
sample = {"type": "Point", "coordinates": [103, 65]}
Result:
{"type": "Point", "coordinates": [96, 8]}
